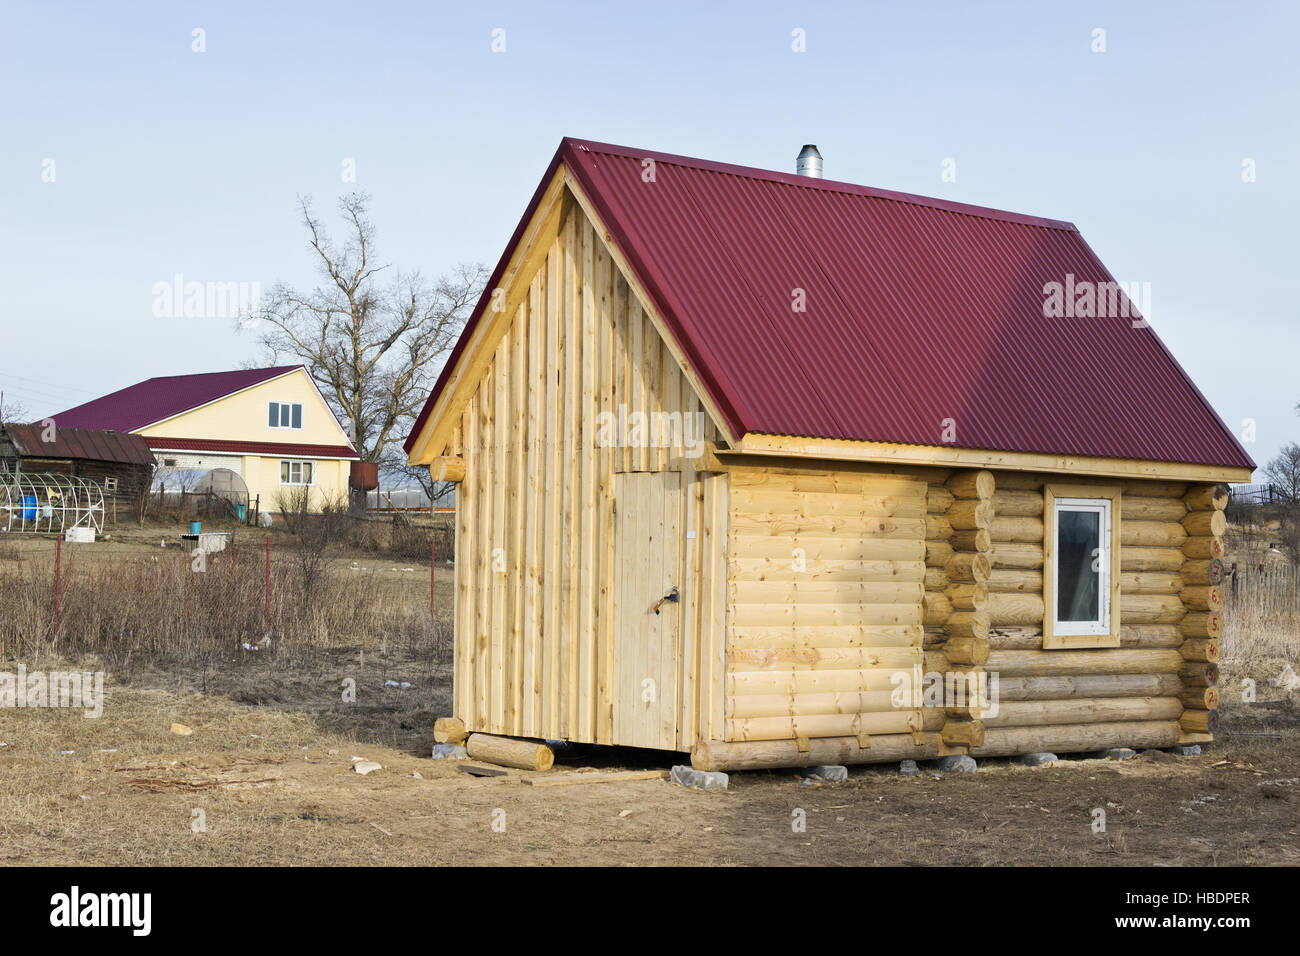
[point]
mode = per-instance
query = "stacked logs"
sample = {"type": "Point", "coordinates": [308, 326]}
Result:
{"type": "Point", "coordinates": [1202, 596]}
{"type": "Point", "coordinates": [961, 608]}
{"type": "Point", "coordinates": [1016, 584]}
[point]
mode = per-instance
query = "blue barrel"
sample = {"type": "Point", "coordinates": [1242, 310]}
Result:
{"type": "Point", "coordinates": [29, 507]}
{"type": "Point", "coordinates": [196, 527]}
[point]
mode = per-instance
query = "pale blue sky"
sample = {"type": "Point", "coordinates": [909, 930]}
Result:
{"type": "Point", "coordinates": [169, 161]}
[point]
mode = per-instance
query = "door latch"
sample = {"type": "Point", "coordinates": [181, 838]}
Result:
{"type": "Point", "coordinates": [672, 597]}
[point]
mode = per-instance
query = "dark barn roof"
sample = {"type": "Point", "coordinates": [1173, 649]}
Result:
{"type": "Point", "coordinates": [79, 443]}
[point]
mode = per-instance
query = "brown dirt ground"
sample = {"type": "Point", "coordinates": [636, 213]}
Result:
{"type": "Point", "coordinates": [268, 763]}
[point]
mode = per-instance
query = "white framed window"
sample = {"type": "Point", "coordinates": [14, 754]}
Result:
{"type": "Point", "coordinates": [296, 472]}
{"type": "Point", "coordinates": [110, 484]}
{"type": "Point", "coordinates": [284, 415]}
{"type": "Point", "coordinates": [1080, 567]}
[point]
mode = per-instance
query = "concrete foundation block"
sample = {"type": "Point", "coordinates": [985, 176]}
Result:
{"type": "Point", "coordinates": [1042, 759]}
{"type": "Point", "coordinates": [908, 768]}
{"type": "Point", "coordinates": [698, 779]}
{"type": "Point", "coordinates": [957, 763]}
{"type": "Point", "coordinates": [1186, 750]}
{"type": "Point", "coordinates": [831, 774]}
{"type": "Point", "coordinates": [1116, 753]}
{"type": "Point", "coordinates": [449, 751]}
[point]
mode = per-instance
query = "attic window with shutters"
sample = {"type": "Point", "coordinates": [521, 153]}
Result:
{"type": "Point", "coordinates": [284, 415]}
{"type": "Point", "coordinates": [1080, 567]}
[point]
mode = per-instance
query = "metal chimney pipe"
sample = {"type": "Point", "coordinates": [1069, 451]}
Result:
{"type": "Point", "coordinates": [809, 162]}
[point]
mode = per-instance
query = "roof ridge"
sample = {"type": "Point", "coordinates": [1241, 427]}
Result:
{"type": "Point", "coordinates": [229, 371]}
{"type": "Point", "coordinates": [830, 185]}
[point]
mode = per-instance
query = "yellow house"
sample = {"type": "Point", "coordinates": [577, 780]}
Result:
{"type": "Point", "coordinates": [271, 426]}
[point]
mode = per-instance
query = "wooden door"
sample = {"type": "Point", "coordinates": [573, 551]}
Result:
{"type": "Point", "coordinates": [647, 628]}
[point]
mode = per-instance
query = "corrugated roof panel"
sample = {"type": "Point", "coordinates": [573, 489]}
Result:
{"type": "Point", "coordinates": [918, 310]}
{"type": "Point", "coordinates": [79, 443]}
{"type": "Point", "coordinates": [155, 399]}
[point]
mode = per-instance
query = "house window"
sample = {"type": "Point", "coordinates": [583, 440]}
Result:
{"type": "Point", "coordinates": [295, 473]}
{"type": "Point", "coordinates": [1080, 567]}
{"type": "Point", "coordinates": [284, 415]}
{"type": "Point", "coordinates": [169, 462]}
{"type": "Point", "coordinates": [110, 484]}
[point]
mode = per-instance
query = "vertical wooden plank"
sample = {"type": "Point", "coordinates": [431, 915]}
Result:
{"type": "Point", "coordinates": [498, 624]}
{"type": "Point", "coordinates": [632, 633]}
{"type": "Point", "coordinates": [670, 641]}
{"type": "Point", "coordinates": [608, 396]}
{"type": "Point", "coordinates": [497, 637]}
{"type": "Point", "coordinates": [483, 572]}
{"type": "Point", "coordinates": [637, 399]}
{"type": "Point", "coordinates": [649, 359]}
{"type": "Point", "coordinates": [534, 504]}
{"type": "Point", "coordinates": [466, 565]}
{"type": "Point", "coordinates": [689, 641]}
{"type": "Point", "coordinates": [708, 597]}
{"type": "Point", "coordinates": [721, 613]}
{"type": "Point", "coordinates": [571, 399]}
{"type": "Point", "coordinates": [589, 585]}
{"type": "Point", "coordinates": [517, 494]}
{"type": "Point", "coordinates": [619, 483]}
{"type": "Point", "coordinates": [622, 382]}
{"type": "Point", "coordinates": [653, 544]}
{"type": "Point", "coordinates": [668, 395]}
{"type": "Point", "coordinates": [555, 343]}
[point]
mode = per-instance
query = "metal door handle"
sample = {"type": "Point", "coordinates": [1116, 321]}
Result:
{"type": "Point", "coordinates": [672, 597]}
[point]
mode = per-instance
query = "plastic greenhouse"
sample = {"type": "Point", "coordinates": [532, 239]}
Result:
{"type": "Point", "coordinates": [49, 504]}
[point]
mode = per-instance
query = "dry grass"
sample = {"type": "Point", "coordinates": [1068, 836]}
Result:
{"type": "Point", "coordinates": [141, 605]}
{"type": "Point", "coordinates": [1261, 634]}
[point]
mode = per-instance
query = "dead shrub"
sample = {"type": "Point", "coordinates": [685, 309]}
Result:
{"type": "Point", "coordinates": [159, 608]}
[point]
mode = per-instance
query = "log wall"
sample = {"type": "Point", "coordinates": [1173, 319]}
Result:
{"type": "Point", "coordinates": [810, 652]}
{"type": "Point", "coordinates": [826, 571]}
{"type": "Point", "coordinates": [1066, 700]}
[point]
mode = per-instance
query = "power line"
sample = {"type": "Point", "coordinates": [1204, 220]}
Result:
{"type": "Point", "coordinates": [54, 385]}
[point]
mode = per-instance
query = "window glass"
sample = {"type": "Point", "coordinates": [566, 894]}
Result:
{"type": "Point", "coordinates": [295, 472]}
{"type": "Point", "coordinates": [1078, 556]}
{"type": "Point", "coordinates": [273, 419]}
{"type": "Point", "coordinates": [297, 416]}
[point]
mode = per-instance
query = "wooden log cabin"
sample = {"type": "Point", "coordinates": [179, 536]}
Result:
{"type": "Point", "coordinates": [747, 458]}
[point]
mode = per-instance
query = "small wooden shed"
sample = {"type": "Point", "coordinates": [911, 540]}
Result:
{"type": "Point", "coordinates": [783, 471]}
{"type": "Point", "coordinates": [120, 463]}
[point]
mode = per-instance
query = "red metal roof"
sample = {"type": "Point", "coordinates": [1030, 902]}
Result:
{"type": "Point", "coordinates": [154, 399]}
{"type": "Point", "coordinates": [918, 311]}
{"type": "Point", "coordinates": [251, 447]}
{"type": "Point", "coordinates": [79, 443]}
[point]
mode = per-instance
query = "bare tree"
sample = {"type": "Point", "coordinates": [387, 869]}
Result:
{"type": "Point", "coordinates": [393, 462]}
{"type": "Point", "coordinates": [1283, 477]}
{"type": "Point", "coordinates": [12, 411]}
{"type": "Point", "coordinates": [1283, 474]}
{"type": "Point", "coordinates": [374, 347]}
